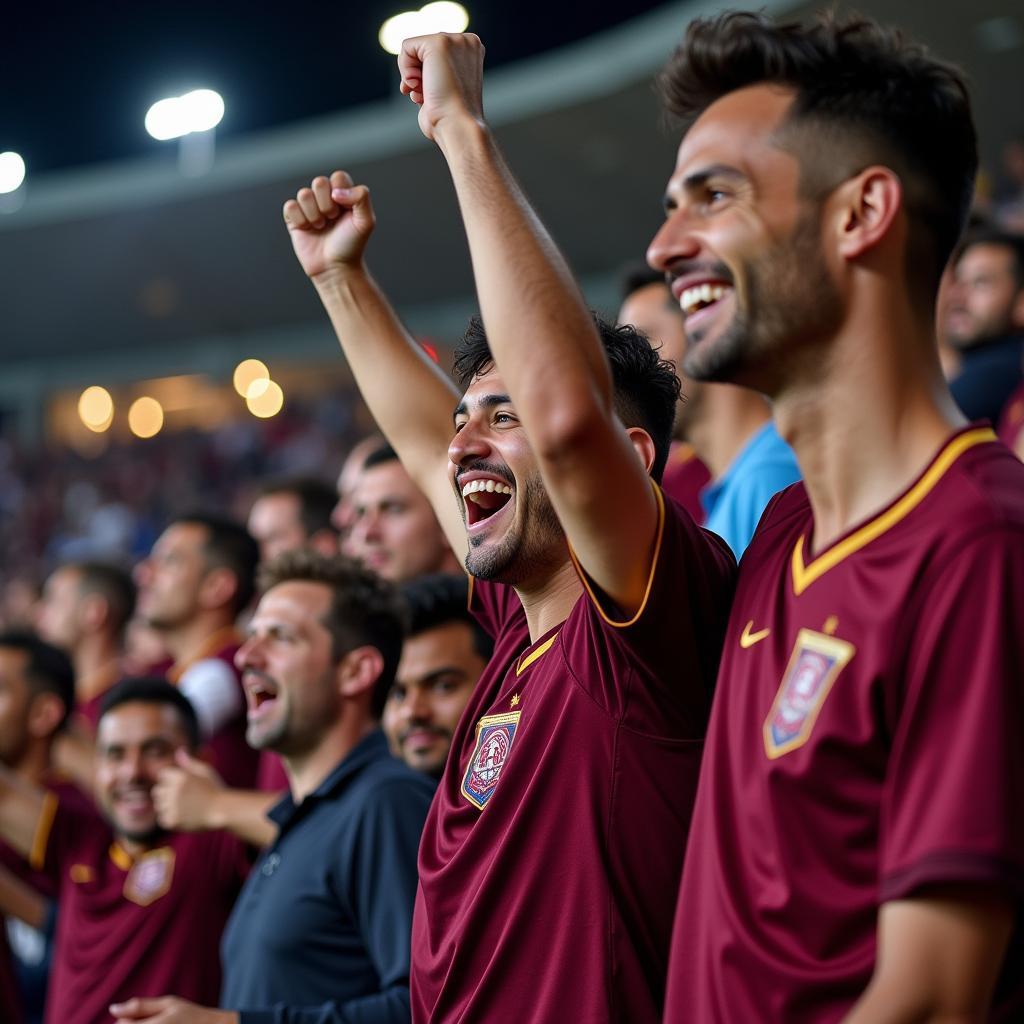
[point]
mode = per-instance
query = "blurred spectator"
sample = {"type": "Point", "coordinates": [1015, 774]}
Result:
{"type": "Point", "coordinates": [196, 581]}
{"type": "Point", "coordinates": [141, 911]}
{"type": "Point", "coordinates": [985, 321]}
{"type": "Point", "coordinates": [394, 530]}
{"type": "Point", "coordinates": [1008, 207]}
{"type": "Point", "coordinates": [344, 513]}
{"type": "Point", "coordinates": [445, 651]}
{"type": "Point", "coordinates": [294, 512]}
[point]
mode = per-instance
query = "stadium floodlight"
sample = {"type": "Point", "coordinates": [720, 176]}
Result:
{"type": "Point", "coordinates": [441, 16]}
{"type": "Point", "coordinates": [198, 111]}
{"type": "Point", "coordinates": [12, 172]}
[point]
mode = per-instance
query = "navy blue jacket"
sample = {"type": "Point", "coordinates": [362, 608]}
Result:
{"type": "Point", "coordinates": [321, 930]}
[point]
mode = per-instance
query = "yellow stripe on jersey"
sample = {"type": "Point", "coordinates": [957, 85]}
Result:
{"type": "Point", "coordinates": [525, 663]}
{"type": "Point", "coordinates": [804, 576]}
{"type": "Point", "coordinates": [37, 855]}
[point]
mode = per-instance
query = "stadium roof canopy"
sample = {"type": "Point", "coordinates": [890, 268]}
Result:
{"type": "Point", "coordinates": [125, 268]}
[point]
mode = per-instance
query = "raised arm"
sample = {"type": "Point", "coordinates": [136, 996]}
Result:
{"type": "Point", "coordinates": [409, 397]}
{"type": "Point", "coordinates": [540, 332]}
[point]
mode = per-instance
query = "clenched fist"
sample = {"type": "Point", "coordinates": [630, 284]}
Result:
{"type": "Point", "coordinates": [443, 74]}
{"type": "Point", "coordinates": [330, 223]}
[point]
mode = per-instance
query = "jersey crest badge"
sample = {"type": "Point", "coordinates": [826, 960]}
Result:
{"type": "Point", "coordinates": [813, 668]}
{"type": "Point", "coordinates": [494, 736]}
{"type": "Point", "coordinates": [150, 876]}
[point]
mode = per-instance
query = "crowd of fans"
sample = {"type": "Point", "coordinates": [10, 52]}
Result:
{"type": "Point", "coordinates": [256, 722]}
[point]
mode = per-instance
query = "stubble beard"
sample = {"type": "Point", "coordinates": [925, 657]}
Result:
{"type": "Point", "coordinates": [790, 302]}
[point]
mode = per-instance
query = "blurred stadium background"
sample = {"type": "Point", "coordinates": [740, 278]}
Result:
{"type": "Point", "coordinates": [121, 272]}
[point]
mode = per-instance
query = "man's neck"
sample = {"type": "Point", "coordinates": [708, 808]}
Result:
{"type": "Point", "coordinates": [97, 663]}
{"type": "Point", "coordinates": [729, 417]}
{"type": "Point", "coordinates": [549, 601]}
{"type": "Point", "coordinates": [192, 639]}
{"type": "Point", "coordinates": [308, 770]}
{"type": "Point", "coordinates": [34, 766]}
{"type": "Point", "coordinates": [866, 419]}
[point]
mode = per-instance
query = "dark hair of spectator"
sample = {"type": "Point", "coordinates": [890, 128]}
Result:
{"type": "Point", "coordinates": [316, 498]}
{"type": "Point", "coordinates": [47, 668]}
{"type": "Point", "coordinates": [646, 387]}
{"type": "Point", "coordinates": [154, 690]}
{"type": "Point", "coordinates": [385, 453]}
{"type": "Point", "coordinates": [228, 546]}
{"type": "Point", "coordinates": [436, 600]}
{"type": "Point", "coordinates": [864, 94]}
{"type": "Point", "coordinates": [365, 610]}
{"type": "Point", "coordinates": [639, 275]}
{"type": "Point", "coordinates": [1008, 240]}
{"type": "Point", "coordinates": [113, 584]}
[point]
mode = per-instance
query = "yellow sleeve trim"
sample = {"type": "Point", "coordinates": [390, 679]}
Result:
{"type": "Point", "coordinates": [659, 498]}
{"type": "Point", "coordinates": [469, 594]}
{"type": "Point", "coordinates": [37, 855]}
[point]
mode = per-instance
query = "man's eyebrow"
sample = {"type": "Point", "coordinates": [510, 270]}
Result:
{"type": "Point", "coordinates": [486, 402]}
{"type": "Point", "coordinates": [696, 180]}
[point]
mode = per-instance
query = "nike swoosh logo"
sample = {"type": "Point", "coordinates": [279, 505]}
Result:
{"type": "Point", "coordinates": [748, 639]}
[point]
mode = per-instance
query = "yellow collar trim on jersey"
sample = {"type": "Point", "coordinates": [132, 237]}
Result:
{"type": "Point", "coordinates": [805, 575]}
{"type": "Point", "coordinates": [525, 663]}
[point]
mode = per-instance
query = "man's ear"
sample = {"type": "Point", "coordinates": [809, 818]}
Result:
{"type": "Point", "coordinates": [45, 713]}
{"type": "Point", "coordinates": [865, 209]}
{"type": "Point", "coordinates": [643, 443]}
{"type": "Point", "coordinates": [359, 671]}
{"type": "Point", "coordinates": [217, 588]}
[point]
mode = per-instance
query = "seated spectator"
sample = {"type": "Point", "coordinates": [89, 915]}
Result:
{"type": "Point", "coordinates": [321, 932]}
{"type": "Point", "coordinates": [141, 910]}
{"type": "Point", "coordinates": [985, 321]}
{"type": "Point", "coordinates": [196, 581]}
{"type": "Point", "coordinates": [445, 651]}
{"type": "Point", "coordinates": [394, 529]}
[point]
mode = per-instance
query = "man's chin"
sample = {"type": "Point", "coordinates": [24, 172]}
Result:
{"type": "Point", "coordinates": [144, 836]}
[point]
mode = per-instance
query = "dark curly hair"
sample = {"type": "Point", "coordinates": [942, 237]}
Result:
{"type": "Point", "coordinates": [864, 94]}
{"type": "Point", "coordinates": [365, 610]}
{"type": "Point", "coordinates": [646, 387]}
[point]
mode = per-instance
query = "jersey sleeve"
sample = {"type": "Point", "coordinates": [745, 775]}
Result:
{"type": "Point", "coordinates": [951, 810]}
{"type": "Point", "coordinates": [656, 669]}
{"type": "Point", "coordinates": [63, 832]}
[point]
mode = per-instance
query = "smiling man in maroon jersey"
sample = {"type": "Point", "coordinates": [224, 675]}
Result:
{"type": "Point", "coordinates": [558, 828]}
{"type": "Point", "coordinates": [141, 910]}
{"type": "Point", "coordinates": [857, 849]}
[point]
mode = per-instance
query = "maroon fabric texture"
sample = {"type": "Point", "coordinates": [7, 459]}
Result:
{"type": "Point", "coordinates": [865, 743]}
{"type": "Point", "coordinates": [552, 851]}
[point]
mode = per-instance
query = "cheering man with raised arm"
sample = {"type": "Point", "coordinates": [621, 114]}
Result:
{"type": "Point", "coordinates": [557, 834]}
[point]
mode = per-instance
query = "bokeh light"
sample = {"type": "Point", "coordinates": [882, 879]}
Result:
{"type": "Point", "coordinates": [96, 408]}
{"type": "Point", "coordinates": [12, 172]}
{"type": "Point", "coordinates": [268, 402]}
{"type": "Point", "coordinates": [145, 417]}
{"type": "Point", "coordinates": [196, 111]}
{"type": "Point", "coordinates": [247, 372]}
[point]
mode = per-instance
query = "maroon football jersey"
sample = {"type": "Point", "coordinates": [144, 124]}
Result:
{"type": "Point", "coordinates": [551, 855]}
{"type": "Point", "coordinates": [10, 1001]}
{"type": "Point", "coordinates": [684, 478]}
{"type": "Point", "coordinates": [227, 750]}
{"type": "Point", "coordinates": [1011, 422]}
{"type": "Point", "coordinates": [144, 926]}
{"type": "Point", "coordinates": [272, 778]}
{"type": "Point", "coordinates": [865, 741]}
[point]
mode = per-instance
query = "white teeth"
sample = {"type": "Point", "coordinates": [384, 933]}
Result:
{"type": "Point", "coordinates": [485, 485]}
{"type": "Point", "coordinates": [700, 295]}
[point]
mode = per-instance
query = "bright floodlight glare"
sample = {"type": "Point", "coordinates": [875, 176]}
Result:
{"type": "Point", "coordinates": [145, 417]}
{"type": "Point", "coordinates": [247, 372]}
{"type": "Point", "coordinates": [12, 172]}
{"type": "Point", "coordinates": [96, 408]}
{"type": "Point", "coordinates": [196, 111]}
{"type": "Point", "coordinates": [267, 404]}
{"type": "Point", "coordinates": [441, 16]}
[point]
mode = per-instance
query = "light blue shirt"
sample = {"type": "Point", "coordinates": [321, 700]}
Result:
{"type": "Point", "coordinates": [733, 504]}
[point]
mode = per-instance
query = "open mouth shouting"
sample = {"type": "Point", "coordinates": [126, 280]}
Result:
{"type": "Point", "coordinates": [484, 497]}
{"type": "Point", "coordinates": [260, 694]}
